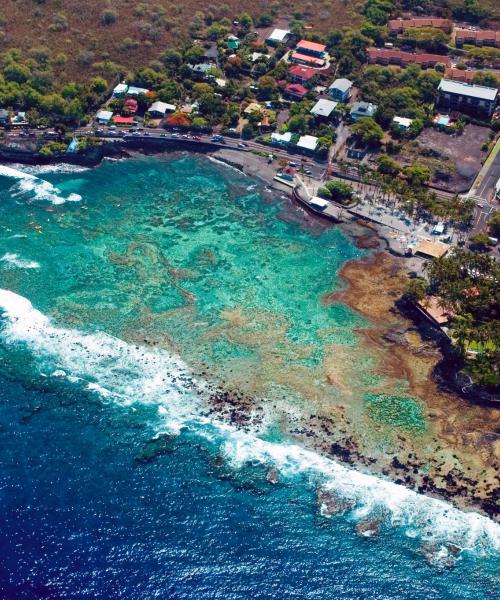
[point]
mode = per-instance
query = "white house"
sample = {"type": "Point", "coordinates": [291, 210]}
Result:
{"type": "Point", "coordinates": [323, 108]}
{"type": "Point", "coordinates": [103, 117]}
{"type": "Point", "coordinates": [281, 138]}
{"type": "Point", "coordinates": [402, 122]}
{"type": "Point", "coordinates": [120, 90]}
{"type": "Point", "coordinates": [308, 142]}
{"type": "Point", "coordinates": [136, 91]}
{"type": "Point", "coordinates": [159, 109]}
{"type": "Point", "coordinates": [278, 36]}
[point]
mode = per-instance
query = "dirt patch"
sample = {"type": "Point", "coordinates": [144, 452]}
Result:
{"type": "Point", "coordinates": [454, 160]}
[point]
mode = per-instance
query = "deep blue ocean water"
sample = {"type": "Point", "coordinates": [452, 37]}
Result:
{"type": "Point", "coordinates": [114, 485]}
{"type": "Point", "coordinates": [81, 518]}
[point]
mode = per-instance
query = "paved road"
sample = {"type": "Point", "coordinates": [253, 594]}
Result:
{"type": "Point", "coordinates": [484, 186]}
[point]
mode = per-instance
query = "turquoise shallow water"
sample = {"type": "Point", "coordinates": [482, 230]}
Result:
{"type": "Point", "coordinates": [129, 291]}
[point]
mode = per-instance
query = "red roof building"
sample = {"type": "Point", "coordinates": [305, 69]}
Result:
{"type": "Point", "coordinates": [313, 48]}
{"type": "Point", "coordinates": [304, 59]}
{"type": "Point", "coordinates": [296, 90]}
{"type": "Point", "coordinates": [477, 38]}
{"type": "Point", "coordinates": [123, 120]}
{"type": "Point", "coordinates": [300, 74]}
{"type": "Point", "coordinates": [400, 25]}
{"type": "Point", "coordinates": [130, 105]}
{"type": "Point", "coordinates": [459, 75]}
{"type": "Point", "coordinates": [403, 59]}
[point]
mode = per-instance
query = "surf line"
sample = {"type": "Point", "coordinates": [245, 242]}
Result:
{"type": "Point", "coordinates": [129, 375]}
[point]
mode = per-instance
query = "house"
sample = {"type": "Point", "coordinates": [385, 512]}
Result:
{"type": "Point", "coordinates": [258, 56]}
{"type": "Point", "coordinates": [432, 308]}
{"type": "Point", "coordinates": [477, 38]}
{"type": "Point", "coordinates": [341, 90]}
{"type": "Point", "coordinates": [281, 139]}
{"type": "Point", "coordinates": [212, 54]}
{"type": "Point", "coordinates": [324, 108]}
{"type": "Point", "coordinates": [130, 106]}
{"type": "Point", "coordinates": [120, 90]}
{"type": "Point", "coordinates": [19, 119]}
{"type": "Point", "coordinates": [103, 117]}
{"type": "Point", "coordinates": [465, 97]}
{"type": "Point", "coordinates": [253, 107]}
{"type": "Point", "coordinates": [201, 70]}
{"type": "Point", "coordinates": [400, 25]}
{"type": "Point", "coordinates": [296, 91]}
{"type": "Point", "coordinates": [383, 56]}
{"type": "Point", "coordinates": [233, 43]}
{"type": "Point", "coordinates": [124, 121]}
{"type": "Point", "coordinates": [159, 109]}
{"type": "Point", "coordinates": [402, 123]}
{"type": "Point", "coordinates": [362, 109]}
{"type": "Point", "coordinates": [4, 117]}
{"type": "Point", "coordinates": [311, 49]}
{"type": "Point", "coordinates": [304, 59]}
{"type": "Point", "coordinates": [137, 91]}
{"type": "Point", "coordinates": [300, 74]}
{"type": "Point", "coordinates": [278, 36]}
{"type": "Point", "coordinates": [307, 143]}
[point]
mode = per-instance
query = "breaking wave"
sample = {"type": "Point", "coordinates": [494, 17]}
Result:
{"type": "Point", "coordinates": [53, 168]}
{"type": "Point", "coordinates": [128, 374]}
{"type": "Point", "coordinates": [38, 188]}
{"type": "Point", "coordinates": [12, 260]}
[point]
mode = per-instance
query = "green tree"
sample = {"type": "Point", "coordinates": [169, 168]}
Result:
{"type": "Point", "coordinates": [367, 131]}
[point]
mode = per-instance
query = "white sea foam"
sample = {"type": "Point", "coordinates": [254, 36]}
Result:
{"type": "Point", "coordinates": [128, 374]}
{"type": "Point", "coordinates": [54, 168]}
{"type": "Point", "coordinates": [12, 260]}
{"type": "Point", "coordinates": [36, 187]}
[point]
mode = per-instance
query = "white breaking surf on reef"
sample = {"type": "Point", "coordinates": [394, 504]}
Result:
{"type": "Point", "coordinates": [129, 374]}
{"type": "Point", "coordinates": [12, 260]}
{"type": "Point", "coordinates": [53, 168]}
{"type": "Point", "coordinates": [41, 189]}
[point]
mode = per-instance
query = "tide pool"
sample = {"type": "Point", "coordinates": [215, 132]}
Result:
{"type": "Point", "coordinates": [130, 294]}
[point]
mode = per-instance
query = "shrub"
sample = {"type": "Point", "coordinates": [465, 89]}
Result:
{"type": "Point", "coordinates": [108, 16]}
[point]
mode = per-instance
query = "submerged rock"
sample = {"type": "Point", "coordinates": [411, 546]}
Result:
{"type": "Point", "coordinates": [152, 449]}
{"type": "Point", "coordinates": [368, 528]}
{"type": "Point", "coordinates": [330, 504]}
{"type": "Point", "coordinates": [272, 476]}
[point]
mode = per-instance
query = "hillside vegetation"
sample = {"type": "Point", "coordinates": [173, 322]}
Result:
{"type": "Point", "coordinates": [80, 35]}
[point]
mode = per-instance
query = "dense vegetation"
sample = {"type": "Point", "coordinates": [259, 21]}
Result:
{"type": "Point", "coordinates": [468, 286]}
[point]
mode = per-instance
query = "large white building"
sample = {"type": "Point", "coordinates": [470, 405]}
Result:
{"type": "Point", "coordinates": [468, 98]}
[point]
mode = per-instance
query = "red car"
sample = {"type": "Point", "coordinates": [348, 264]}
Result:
{"type": "Point", "coordinates": [197, 138]}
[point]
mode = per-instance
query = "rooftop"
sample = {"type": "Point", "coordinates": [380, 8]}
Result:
{"type": "Point", "coordinates": [282, 137]}
{"type": "Point", "coordinates": [161, 107]}
{"type": "Point", "coordinates": [308, 142]}
{"type": "Point", "coordinates": [323, 107]}
{"type": "Point", "coordinates": [341, 84]}
{"type": "Point", "coordinates": [136, 91]}
{"type": "Point", "coordinates": [104, 115]}
{"type": "Point", "coordinates": [303, 72]}
{"type": "Point", "coordinates": [466, 89]}
{"type": "Point", "coordinates": [403, 122]}
{"type": "Point", "coordinates": [431, 305]}
{"type": "Point", "coordinates": [306, 58]}
{"type": "Point", "coordinates": [433, 249]}
{"type": "Point", "coordinates": [364, 107]}
{"type": "Point", "coordinates": [296, 89]}
{"type": "Point", "coordinates": [279, 35]}
{"type": "Point", "coordinates": [311, 46]}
